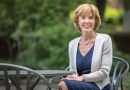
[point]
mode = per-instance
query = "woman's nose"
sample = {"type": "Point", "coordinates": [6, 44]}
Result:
{"type": "Point", "coordinates": [87, 20]}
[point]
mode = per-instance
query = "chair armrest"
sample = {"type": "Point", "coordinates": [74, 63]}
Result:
{"type": "Point", "coordinates": [55, 78]}
{"type": "Point", "coordinates": [58, 77]}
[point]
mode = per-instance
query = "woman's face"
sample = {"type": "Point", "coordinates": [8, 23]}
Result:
{"type": "Point", "coordinates": [86, 22]}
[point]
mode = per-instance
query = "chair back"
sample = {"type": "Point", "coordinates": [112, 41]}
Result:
{"type": "Point", "coordinates": [17, 70]}
{"type": "Point", "coordinates": [120, 70]}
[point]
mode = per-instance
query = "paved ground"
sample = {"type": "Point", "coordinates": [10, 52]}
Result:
{"type": "Point", "coordinates": [38, 87]}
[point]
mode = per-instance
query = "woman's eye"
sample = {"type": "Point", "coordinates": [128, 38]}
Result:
{"type": "Point", "coordinates": [90, 17]}
{"type": "Point", "coordinates": [83, 17]}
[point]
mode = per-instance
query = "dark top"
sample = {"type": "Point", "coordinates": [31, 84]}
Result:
{"type": "Point", "coordinates": [84, 62]}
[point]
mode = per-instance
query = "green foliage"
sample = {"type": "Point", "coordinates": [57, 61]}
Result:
{"type": "Point", "coordinates": [126, 82]}
{"type": "Point", "coordinates": [54, 41]}
{"type": "Point", "coordinates": [33, 12]}
{"type": "Point", "coordinates": [50, 49]}
{"type": "Point", "coordinates": [6, 17]}
{"type": "Point", "coordinates": [114, 16]}
{"type": "Point", "coordinates": [39, 30]}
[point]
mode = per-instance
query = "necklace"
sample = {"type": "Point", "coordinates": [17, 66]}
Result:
{"type": "Point", "coordinates": [88, 41]}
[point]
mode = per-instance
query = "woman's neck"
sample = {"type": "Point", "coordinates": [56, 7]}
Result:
{"type": "Point", "coordinates": [87, 36]}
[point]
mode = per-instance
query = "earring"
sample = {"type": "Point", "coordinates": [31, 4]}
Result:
{"type": "Point", "coordinates": [94, 27]}
{"type": "Point", "coordinates": [78, 26]}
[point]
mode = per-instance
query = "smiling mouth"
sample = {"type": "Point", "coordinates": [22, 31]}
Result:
{"type": "Point", "coordinates": [86, 26]}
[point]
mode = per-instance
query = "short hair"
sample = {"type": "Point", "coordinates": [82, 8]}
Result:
{"type": "Point", "coordinates": [87, 9]}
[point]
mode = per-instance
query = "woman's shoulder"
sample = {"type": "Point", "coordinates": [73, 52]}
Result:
{"type": "Point", "coordinates": [103, 36]}
{"type": "Point", "coordinates": [74, 40]}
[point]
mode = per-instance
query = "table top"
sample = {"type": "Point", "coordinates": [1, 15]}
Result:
{"type": "Point", "coordinates": [43, 72]}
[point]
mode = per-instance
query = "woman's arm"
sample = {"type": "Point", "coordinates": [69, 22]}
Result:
{"type": "Point", "coordinates": [106, 63]}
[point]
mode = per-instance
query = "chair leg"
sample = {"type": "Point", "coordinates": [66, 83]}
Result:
{"type": "Point", "coordinates": [10, 83]}
{"type": "Point", "coordinates": [121, 85]}
{"type": "Point", "coordinates": [48, 88]}
{"type": "Point", "coordinates": [35, 83]}
{"type": "Point", "coordinates": [13, 81]}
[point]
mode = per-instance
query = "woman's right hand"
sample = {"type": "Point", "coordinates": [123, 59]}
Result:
{"type": "Point", "coordinates": [74, 76]}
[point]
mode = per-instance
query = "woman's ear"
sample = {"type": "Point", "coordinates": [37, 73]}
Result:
{"type": "Point", "coordinates": [78, 21]}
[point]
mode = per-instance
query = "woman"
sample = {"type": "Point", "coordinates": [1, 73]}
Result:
{"type": "Point", "coordinates": [90, 54]}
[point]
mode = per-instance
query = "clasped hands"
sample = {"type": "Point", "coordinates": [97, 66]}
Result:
{"type": "Point", "coordinates": [74, 77]}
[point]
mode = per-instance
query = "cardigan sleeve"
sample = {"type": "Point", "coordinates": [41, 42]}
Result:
{"type": "Point", "coordinates": [106, 62]}
{"type": "Point", "coordinates": [70, 58]}
{"type": "Point", "coordinates": [71, 61]}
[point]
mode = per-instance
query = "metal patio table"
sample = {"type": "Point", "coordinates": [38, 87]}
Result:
{"type": "Point", "coordinates": [47, 73]}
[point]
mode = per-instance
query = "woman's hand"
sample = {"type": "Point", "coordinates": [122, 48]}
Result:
{"type": "Point", "coordinates": [75, 77]}
{"type": "Point", "coordinates": [72, 76]}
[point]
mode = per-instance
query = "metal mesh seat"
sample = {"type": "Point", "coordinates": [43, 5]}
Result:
{"type": "Point", "coordinates": [16, 79]}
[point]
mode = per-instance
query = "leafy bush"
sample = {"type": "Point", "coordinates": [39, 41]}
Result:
{"type": "Point", "coordinates": [39, 30]}
{"type": "Point", "coordinates": [114, 16]}
{"type": "Point", "coordinates": [54, 43]}
{"type": "Point", "coordinates": [50, 47]}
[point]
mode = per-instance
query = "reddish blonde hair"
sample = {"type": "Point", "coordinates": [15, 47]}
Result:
{"type": "Point", "coordinates": [87, 9]}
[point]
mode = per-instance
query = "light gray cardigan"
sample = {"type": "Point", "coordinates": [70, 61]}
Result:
{"type": "Point", "coordinates": [101, 60]}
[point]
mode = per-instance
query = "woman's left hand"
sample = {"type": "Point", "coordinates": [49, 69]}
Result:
{"type": "Point", "coordinates": [75, 77]}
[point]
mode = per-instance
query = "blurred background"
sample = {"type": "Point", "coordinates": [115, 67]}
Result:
{"type": "Point", "coordinates": [36, 33]}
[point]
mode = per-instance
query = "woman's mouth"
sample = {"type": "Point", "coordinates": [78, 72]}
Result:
{"type": "Point", "coordinates": [86, 26]}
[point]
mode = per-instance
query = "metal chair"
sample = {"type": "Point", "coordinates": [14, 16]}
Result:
{"type": "Point", "coordinates": [120, 70]}
{"type": "Point", "coordinates": [16, 80]}
{"type": "Point", "coordinates": [121, 67]}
